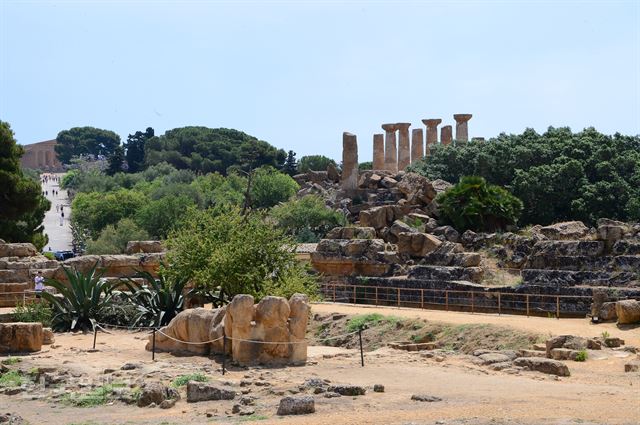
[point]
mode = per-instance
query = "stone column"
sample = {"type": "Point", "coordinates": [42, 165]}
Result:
{"type": "Point", "coordinates": [349, 162]}
{"type": "Point", "coordinates": [462, 130]}
{"type": "Point", "coordinates": [432, 132]}
{"type": "Point", "coordinates": [390, 149]}
{"type": "Point", "coordinates": [404, 145]}
{"type": "Point", "coordinates": [446, 135]}
{"type": "Point", "coordinates": [40, 158]}
{"type": "Point", "coordinates": [378, 151]}
{"type": "Point", "coordinates": [417, 145]}
{"type": "Point", "coordinates": [47, 158]}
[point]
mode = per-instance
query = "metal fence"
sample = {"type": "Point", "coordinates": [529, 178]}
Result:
{"type": "Point", "coordinates": [473, 301]}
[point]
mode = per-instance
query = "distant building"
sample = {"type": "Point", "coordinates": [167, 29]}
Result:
{"type": "Point", "coordinates": [41, 156]}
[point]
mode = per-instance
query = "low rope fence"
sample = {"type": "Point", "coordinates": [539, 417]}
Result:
{"type": "Point", "coordinates": [474, 301]}
{"type": "Point", "coordinates": [224, 339]}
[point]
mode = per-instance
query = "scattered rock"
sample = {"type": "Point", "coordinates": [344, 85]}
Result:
{"type": "Point", "coordinates": [199, 391]}
{"type": "Point", "coordinates": [564, 354]}
{"type": "Point", "coordinates": [567, 230]}
{"type": "Point", "coordinates": [129, 366]}
{"type": "Point", "coordinates": [348, 390]}
{"type": "Point", "coordinates": [301, 405]}
{"type": "Point", "coordinates": [155, 393]}
{"type": "Point", "coordinates": [566, 341]}
{"type": "Point", "coordinates": [378, 388]}
{"type": "Point", "coordinates": [552, 367]}
{"type": "Point", "coordinates": [331, 394]}
{"type": "Point", "coordinates": [613, 342]}
{"type": "Point", "coordinates": [633, 366]}
{"type": "Point", "coordinates": [168, 404]}
{"type": "Point", "coordinates": [425, 398]}
{"type": "Point", "coordinates": [490, 358]}
{"type": "Point", "coordinates": [19, 337]}
{"type": "Point", "coordinates": [48, 337]}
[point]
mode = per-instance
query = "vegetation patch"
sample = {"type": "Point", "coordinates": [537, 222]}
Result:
{"type": "Point", "coordinates": [11, 379]}
{"type": "Point", "coordinates": [182, 380]}
{"type": "Point", "coordinates": [582, 356]}
{"type": "Point", "coordinates": [33, 312]}
{"type": "Point", "coordinates": [370, 320]}
{"type": "Point", "coordinates": [97, 397]}
{"type": "Point", "coordinates": [11, 360]}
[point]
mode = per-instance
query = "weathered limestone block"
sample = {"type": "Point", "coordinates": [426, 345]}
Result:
{"type": "Point", "coordinates": [628, 311]}
{"type": "Point", "coordinates": [446, 135]}
{"type": "Point", "coordinates": [299, 305]}
{"type": "Point", "coordinates": [377, 217]}
{"type": "Point", "coordinates": [201, 391]}
{"type": "Point", "coordinates": [17, 250]}
{"type": "Point", "coordinates": [301, 405]}
{"type": "Point", "coordinates": [240, 314]}
{"type": "Point", "coordinates": [48, 336]}
{"type": "Point", "coordinates": [20, 337]}
{"type": "Point", "coordinates": [349, 162]}
{"type": "Point", "coordinates": [565, 341]}
{"type": "Point", "coordinates": [193, 325]}
{"type": "Point", "coordinates": [351, 233]}
{"type": "Point", "coordinates": [136, 247]}
{"type": "Point", "coordinates": [272, 314]}
{"type": "Point", "coordinates": [417, 244]}
{"type": "Point", "coordinates": [565, 230]}
{"type": "Point", "coordinates": [378, 152]}
{"type": "Point", "coordinates": [332, 173]}
{"type": "Point", "coordinates": [607, 312]}
{"type": "Point", "coordinates": [417, 188]}
{"type": "Point", "coordinates": [553, 367]}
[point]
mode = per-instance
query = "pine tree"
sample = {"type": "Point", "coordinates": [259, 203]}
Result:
{"type": "Point", "coordinates": [22, 206]}
{"type": "Point", "coordinates": [115, 161]}
{"type": "Point", "coordinates": [290, 165]}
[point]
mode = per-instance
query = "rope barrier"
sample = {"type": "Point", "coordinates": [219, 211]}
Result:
{"type": "Point", "coordinates": [188, 342]}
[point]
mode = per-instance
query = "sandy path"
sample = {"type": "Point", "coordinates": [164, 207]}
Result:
{"type": "Point", "coordinates": [542, 325]}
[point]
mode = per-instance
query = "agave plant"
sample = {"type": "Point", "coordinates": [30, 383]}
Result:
{"type": "Point", "coordinates": [158, 300]}
{"type": "Point", "coordinates": [79, 301]}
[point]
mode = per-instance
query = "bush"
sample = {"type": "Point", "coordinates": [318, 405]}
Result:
{"type": "Point", "coordinates": [182, 380]}
{"type": "Point", "coordinates": [582, 356]}
{"type": "Point", "coordinates": [314, 162]}
{"type": "Point", "coordinates": [472, 204]}
{"type": "Point", "coordinates": [33, 312]}
{"type": "Point", "coordinates": [50, 255]}
{"type": "Point", "coordinates": [229, 254]}
{"type": "Point", "coordinates": [270, 187]}
{"type": "Point", "coordinates": [113, 239]}
{"type": "Point", "coordinates": [307, 219]}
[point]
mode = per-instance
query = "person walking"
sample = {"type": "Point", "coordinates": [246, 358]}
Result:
{"type": "Point", "coordinates": [39, 283]}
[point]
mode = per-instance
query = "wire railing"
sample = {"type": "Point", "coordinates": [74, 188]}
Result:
{"type": "Point", "coordinates": [474, 301]}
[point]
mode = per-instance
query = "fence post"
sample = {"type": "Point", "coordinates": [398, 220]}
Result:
{"type": "Point", "coordinates": [472, 304]}
{"type": "Point", "coordinates": [361, 352]}
{"type": "Point", "coordinates": [446, 300]}
{"type": "Point", "coordinates": [153, 345]}
{"type": "Point", "coordinates": [224, 350]}
{"type": "Point", "coordinates": [376, 295]}
{"type": "Point", "coordinates": [558, 307]}
{"type": "Point", "coordinates": [499, 306]}
{"type": "Point", "coordinates": [95, 335]}
{"type": "Point", "coordinates": [527, 305]}
{"type": "Point", "coordinates": [422, 299]}
{"type": "Point", "coordinates": [398, 297]}
{"type": "Point", "coordinates": [354, 294]}
{"type": "Point", "coordinates": [334, 292]}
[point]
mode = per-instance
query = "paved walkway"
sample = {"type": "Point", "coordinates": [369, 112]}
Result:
{"type": "Point", "coordinates": [55, 226]}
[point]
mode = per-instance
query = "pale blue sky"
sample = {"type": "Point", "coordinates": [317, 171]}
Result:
{"type": "Point", "coordinates": [299, 74]}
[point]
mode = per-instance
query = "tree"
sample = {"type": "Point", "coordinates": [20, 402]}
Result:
{"type": "Point", "coordinates": [363, 166]}
{"type": "Point", "coordinates": [116, 160]}
{"type": "Point", "coordinates": [85, 140]}
{"type": "Point", "coordinates": [290, 164]}
{"type": "Point", "coordinates": [314, 162]}
{"type": "Point", "coordinates": [472, 204]}
{"type": "Point", "coordinates": [135, 149]}
{"type": "Point", "coordinates": [114, 238]}
{"type": "Point", "coordinates": [159, 217]}
{"type": "Point", "coordinates": [22, 206]}
{"type": "Point", "coordinates": [206, 150]}
{"type": "Point", "coordinates": [220, 250]}
{"type": "Point", "coordinates": [270, 187]}
{"type": "Point", "coordinates": [307, 219]}
{"type": "Point", "coordinates": [559, 175]}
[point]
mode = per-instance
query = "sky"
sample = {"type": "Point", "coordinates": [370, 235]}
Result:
{"type": "Point", "coordinates": [298, 74]}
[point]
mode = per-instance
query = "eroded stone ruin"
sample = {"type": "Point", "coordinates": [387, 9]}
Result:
{"type": "Point", "coordinates": [270, 332]}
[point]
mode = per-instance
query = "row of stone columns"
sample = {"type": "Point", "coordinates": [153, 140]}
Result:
{"type": "Point", "coordinates": [388, 156]}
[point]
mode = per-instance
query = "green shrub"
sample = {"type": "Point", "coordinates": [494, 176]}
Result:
{"type": "Point", "coordinates": [50, 255]}
{"type": "Point", "coordinates": [372, 319]}
{"type": "Point", "coordinates": [113, 238]}
{"type": "Point", "coordinates": [97, 397]}
{"type": "Point", "coordinates": [582, 356]}
{"type": "Point", "coordinates": [307, 219]}
{"type": "Point", "coordinates": [34, 312]}
{"type": "Point", "coordinates": [81, 299]}
{"type": "Point", "coordinates": [11, 360]}
{"type": "Point", "coordinates": [270, 187]}
{"type": "Point", "coordinates": [182, 380]}
{"type": "Point", "coordinates": [11, 379]}
{"type": "Point", "coordinates": [472, 204]}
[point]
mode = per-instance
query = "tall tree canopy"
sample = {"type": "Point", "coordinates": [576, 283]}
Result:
{"type": "Point", "coordinates": [22, 206]}
{"type": "Point", "coordinates": [85, 140]}
{"type": "Point", "coordinates": [135, 149]}
{"type": "Point", "coordinates": [314, 162]}
{"type": "Point", "coordinates": [206, 150]}
{"type": "Point", "coordinates": [558, 175]}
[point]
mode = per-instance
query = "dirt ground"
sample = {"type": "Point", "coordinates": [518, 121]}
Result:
{"type": "Point", "coordinates": [597, 392]}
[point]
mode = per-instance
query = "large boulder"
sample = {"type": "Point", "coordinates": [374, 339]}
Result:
{"type": "Point", "coordinates": [552, 367]}
{"type": "Point", "coordinates": [272, 315]}
{"type": "Point", "coordinates": [17, 250]}
{"type": "Point", "coordinates": [417, 189]}
{"type": "Point", "coordinates": [417, 244]}
{"type": "Point", "coordinates": [565, 230]}
{"type": "Point", "coordinates": [20, 337]}
{"type": "Point", "coordinates": [135, 247]}
{"type": "Point", "coordinates": [377, 217]}
{"type": "Point", "coordinates": [299, 305]}
{"type": "Point", "coordinates": [156, 393]}
{"type": "Point", "coordinates": [628, 311]}
{"type": "Point", "coordinates": [200, 391]}
{"type": "Point", "coordinates": [301, 405]}
{"type": "Point", "coordinates": [566, 341]}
